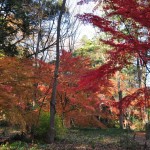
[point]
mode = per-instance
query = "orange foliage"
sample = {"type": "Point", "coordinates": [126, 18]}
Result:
{"type": "Point", "coordinates": [17, 85]}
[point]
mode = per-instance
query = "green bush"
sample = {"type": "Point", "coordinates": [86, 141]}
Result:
{"type": "Point", "coordinates": [18, 145]}
{"type": "Point", "coordinates": [44, 123]}
{"type": "Point", "coordinates": [139, 125]}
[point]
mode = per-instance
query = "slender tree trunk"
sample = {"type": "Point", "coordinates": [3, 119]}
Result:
{"type": "Point", "coordinates": [121, 118]}
{"type": "Point", "coordinates": [36, 55]}
{"type": "Point", "coordinates": [139, 73]}
{"type": "Point", "coordinates": [51, 134]}
{"type": "Point", "coordinates": [35, 94]}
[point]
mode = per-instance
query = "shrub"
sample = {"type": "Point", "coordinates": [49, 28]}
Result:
{"type": "Point", "coordinates": [18, 145]}
{"type": "Point", "coordinates": [43, 126]}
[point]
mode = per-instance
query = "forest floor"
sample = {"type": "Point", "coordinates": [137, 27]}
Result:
{"type": "Point", "coordinates": [82, 139]}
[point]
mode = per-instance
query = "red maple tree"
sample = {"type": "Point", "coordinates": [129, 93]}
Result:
{"type": "Point", "coordinates": [133, 17]}
{"type": "Point", "coordinates": [127, 25]}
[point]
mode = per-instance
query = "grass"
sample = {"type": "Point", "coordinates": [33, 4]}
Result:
{"type": "Point", "coordinates": [90, 135]}
{"type": "Point", "coordinates": [81, 138]}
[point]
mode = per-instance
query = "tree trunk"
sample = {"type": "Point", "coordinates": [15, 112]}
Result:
{"type": "Point", "coordinates": [121, 119]}
{"type": "Point", "coordinates": [51, 132]}
{"type": "Point", "coordinates": [139, 73]}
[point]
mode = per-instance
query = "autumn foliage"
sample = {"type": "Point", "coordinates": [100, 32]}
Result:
{"type": "Point", "coordinates": [85, 96]}
{"type": "Point", "coordinates": [135, 13]}
{"type": "Point", "coordinates": [127, 26]}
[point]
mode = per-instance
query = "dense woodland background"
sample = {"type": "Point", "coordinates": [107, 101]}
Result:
{"type": "Point", "coordinates": [49, 85]}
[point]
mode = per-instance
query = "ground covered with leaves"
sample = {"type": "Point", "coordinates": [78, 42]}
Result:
{"type": "Point", "coordinates": [81, 139]}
